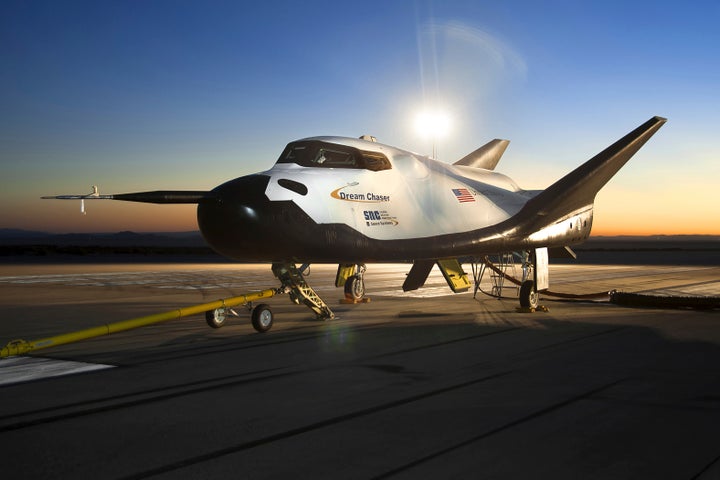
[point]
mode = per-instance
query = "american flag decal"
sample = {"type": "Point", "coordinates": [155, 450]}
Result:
{"type": "Point", "coordinates": [463, 195]}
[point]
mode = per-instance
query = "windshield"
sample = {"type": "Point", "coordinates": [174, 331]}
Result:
{"type": "Point", "coordinates": [330, 155]}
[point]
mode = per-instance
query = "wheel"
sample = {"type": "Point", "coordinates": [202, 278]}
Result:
{"type": "Point", "coordinates": [216, 318]}
{"type": "Point", "coordinates": [262, 318]}
{"type": "Point", "coordinates": [528, 295]}
{"type": "Point", "coordinates": [354, 288]}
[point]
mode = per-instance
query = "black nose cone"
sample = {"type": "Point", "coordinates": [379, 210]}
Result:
{"type": "Point", "coordinates": [234, 222]}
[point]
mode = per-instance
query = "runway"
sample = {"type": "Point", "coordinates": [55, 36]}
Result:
{"type": "Point", "coordinates": [424, 384]}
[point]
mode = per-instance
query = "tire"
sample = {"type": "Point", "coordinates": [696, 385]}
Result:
{"type": "Point", "coordinates": [262, 318]}
{"type": "Point", "coordinates": [528, 295]}
{"type": "Point", "coordinates": [216, 318]}
{"type": "Point", "coordinates": [354, 288]}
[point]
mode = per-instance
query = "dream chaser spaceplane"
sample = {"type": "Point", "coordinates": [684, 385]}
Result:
{"type": "Point", "coordinates": [355, 201]}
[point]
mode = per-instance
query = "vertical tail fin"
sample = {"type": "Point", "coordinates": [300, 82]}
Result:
{"type": "Point", "coordinates": [487, 156]}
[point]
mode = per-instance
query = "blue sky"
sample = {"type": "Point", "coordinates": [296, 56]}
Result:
{"type": "Point", "coordinates": [142, 95]}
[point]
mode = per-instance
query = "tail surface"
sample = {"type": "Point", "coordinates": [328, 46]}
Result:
{"type": "Point", "coordinates": [578, 188]}
{"type": "Point", "coordinates": [487, 156]}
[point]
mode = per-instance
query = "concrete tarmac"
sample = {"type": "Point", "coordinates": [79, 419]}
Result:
{"type": "Point", "coordinates": [411, 385]}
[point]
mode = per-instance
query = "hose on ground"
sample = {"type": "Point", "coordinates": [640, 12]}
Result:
{"type": "Point", "coordinates": [625, 298]}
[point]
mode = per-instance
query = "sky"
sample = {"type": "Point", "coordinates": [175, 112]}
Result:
{"type": "Point", "coordinates": [146, 95]}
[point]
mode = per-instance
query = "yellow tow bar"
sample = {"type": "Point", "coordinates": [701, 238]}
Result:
{"type": "Point", "coordinates": [19, 347]}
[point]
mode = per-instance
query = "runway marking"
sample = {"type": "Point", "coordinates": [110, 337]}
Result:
{"type": "Point", "coordinates": [24, 369]}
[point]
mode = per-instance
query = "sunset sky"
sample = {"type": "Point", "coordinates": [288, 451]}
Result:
{"type": "Point", "coordinates": [145, 95]}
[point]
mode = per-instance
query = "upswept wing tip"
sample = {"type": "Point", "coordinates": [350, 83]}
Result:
{"type": "Point", "coordinates": [578, 188]}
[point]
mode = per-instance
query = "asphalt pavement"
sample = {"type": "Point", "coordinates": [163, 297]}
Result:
{"type": "Point", "coordinates": [425, 384]}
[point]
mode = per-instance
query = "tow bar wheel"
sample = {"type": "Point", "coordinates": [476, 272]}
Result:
{"type": "Point", "coordinates": [262, 318]}
{"type": "Point", "coordinates": [216, 318]}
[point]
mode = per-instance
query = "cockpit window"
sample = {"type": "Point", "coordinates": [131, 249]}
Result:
{"type": "Point", "coordinates": [329, 155]}
{"type": "Point", "coordinates": [334, 158]}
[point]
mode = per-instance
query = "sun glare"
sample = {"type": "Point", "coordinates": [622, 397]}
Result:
{"type": "Point", "coordinates": [433, 124]}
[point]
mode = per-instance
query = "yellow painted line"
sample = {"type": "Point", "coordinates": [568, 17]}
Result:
{"type": "Point", "coordinates": [19, 347]}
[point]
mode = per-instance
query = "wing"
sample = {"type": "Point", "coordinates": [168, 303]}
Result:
{"type": "Point", "coordinates": [578, 188]}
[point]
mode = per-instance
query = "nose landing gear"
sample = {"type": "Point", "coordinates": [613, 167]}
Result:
{"type": "Point", "coordinates": [354, 282]}
{"type": "Point", "coordinates": [293, 282]}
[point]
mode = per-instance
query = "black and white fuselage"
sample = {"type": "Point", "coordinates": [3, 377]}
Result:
{"type": "Point", "coordinates": [330, 198]}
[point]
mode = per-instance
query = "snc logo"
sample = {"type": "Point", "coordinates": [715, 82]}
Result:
{"type": "Point", "coordinates": [371, 215]}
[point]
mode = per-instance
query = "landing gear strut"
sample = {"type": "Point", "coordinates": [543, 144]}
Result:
{"type": "Point", "coordinates": [293, 282]}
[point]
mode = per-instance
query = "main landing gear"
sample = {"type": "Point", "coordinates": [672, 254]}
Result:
{"type": "Point", "coordinates": [529, 295]}
{"type": "Point", "coordinates": [352, 278]}
{"type": "Point", "coordinates": [534, 275]}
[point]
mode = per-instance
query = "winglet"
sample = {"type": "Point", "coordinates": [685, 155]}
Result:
{"type": "Point", "coordinates": [486, 156]}
{"type": "Point", "coordinates": [578, 188]}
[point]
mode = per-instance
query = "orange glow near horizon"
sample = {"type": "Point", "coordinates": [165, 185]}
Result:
{"type": "Point", "coordinates": [101, 217]}
{"type": "Point", "coordinates": [625, 226]}
{"type": "Point", "coordinates": [624, 211]}
{"type": "Point", "coordinates": [615, 231]}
